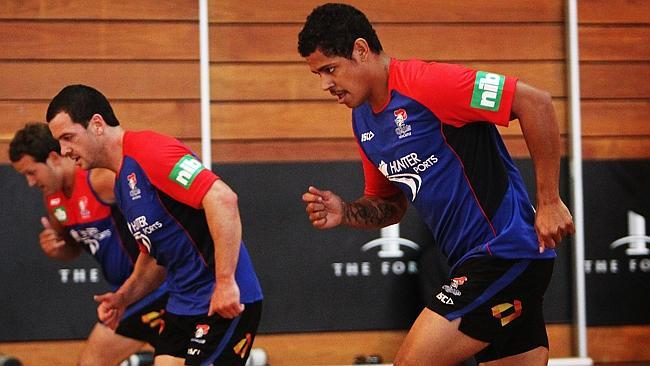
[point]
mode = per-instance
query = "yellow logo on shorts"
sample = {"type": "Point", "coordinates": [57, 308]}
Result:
{"type": "Point", "coordinates": [242, 346]}
{"type": "Point", "coordinates": [154, 319]}
{"type": "Point", "coordinates": [498, 310]}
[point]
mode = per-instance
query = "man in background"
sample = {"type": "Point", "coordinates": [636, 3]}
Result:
{"type": "Point", "coordinates": [184, 217]}
{"type": "Point", "coordinates": [82, 216]}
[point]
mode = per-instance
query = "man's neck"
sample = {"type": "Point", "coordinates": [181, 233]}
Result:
{"type": "Point", "coordinates": [113, 149]}
{"type": "Point", "coordinates": [379, 94]}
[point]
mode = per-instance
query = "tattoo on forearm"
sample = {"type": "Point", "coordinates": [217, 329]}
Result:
{"type": "Point", "coordinates": [372, 212]}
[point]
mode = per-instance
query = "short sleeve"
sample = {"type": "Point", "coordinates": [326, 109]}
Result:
{"type": "Point", "coordinates": [376, 184]}
{"type": "Point", "coordinates": [457, 95]}
{"type": "Point", "coordinates": [170, 166]}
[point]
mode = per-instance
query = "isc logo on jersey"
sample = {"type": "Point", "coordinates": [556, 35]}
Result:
{"type": "Point", "coordinates": [488, 88]}
{"type": "Point", "coordinates": [185, 170]}
{"type": "Point", "coordinates": [367, 136]}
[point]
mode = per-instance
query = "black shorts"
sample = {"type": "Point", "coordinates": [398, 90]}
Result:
{"type": "Point", "coordinates": [210, 340]}
{"type": "Point", "coordinates": [499, 302]}
{"type": "Point", "coordinates": [143, 320]}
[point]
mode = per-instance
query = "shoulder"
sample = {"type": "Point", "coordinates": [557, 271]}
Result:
{"type": "Point", "coordinates": [421, 72]}
{"type": "Point", "coordinates": [102, 182]}
{"type": "Point", "coordinates": [136, 141]}
{"type": "Point", "coordinates": [151, 149]}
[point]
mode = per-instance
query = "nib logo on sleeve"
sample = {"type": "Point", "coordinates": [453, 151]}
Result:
{"type": "Point", "coordinates": [185, 170]}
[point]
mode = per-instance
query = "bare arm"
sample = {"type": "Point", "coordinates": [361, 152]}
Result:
{"type": "Point", "coordinates": [539, 125]}
{"type": "Point", "coordinates": [326, 210]}
{"type": "Point", "coordinates": [222, 212]}
{"type": "Point", "coordinates": [147, 276]}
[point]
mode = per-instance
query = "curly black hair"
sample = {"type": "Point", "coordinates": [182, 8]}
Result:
{"type": "Point", "coordinates": [81, 102]}
{"type": "Point", "coordinates": [35, 140]}
{"type": "Point", "coordinates": [333, 28]}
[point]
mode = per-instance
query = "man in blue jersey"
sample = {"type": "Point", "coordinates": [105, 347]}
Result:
{"type": "Point", "coordinates": [186, 220]}
{"type": "Point", "coordinates": [426, 134]}
{"type": "Point", "coordinates": [82, 216]}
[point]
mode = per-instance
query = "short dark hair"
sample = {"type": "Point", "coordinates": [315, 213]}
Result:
{"type": "Point", "coordinates": [80, 102]}
{"type": "Point", "coordinates": [333, 28]}
{"type": "Point", "coordinates": [35, 140]}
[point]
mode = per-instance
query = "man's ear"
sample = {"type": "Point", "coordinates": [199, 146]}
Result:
{"type": "Point", "coordinates": [360, 50]}
{"type": "Point", "coordinates": [97, 124]}
{"type": "Point", "coordinates": [53, 158]}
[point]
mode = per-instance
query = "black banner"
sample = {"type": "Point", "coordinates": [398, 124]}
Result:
{"type": "Point", "coordinates": [325, 280]}
{"type": "Point", "coordinates": [617, 245]}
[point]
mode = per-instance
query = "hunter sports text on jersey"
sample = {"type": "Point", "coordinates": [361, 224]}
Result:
{"type": "Point", "coordinates": [435, 139]}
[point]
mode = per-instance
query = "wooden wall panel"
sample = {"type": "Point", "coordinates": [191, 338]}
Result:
{"type": "Point", "coordinates": [395, 11]}
{"type": "Point", "coordinates": [177, 118]}
{"type": "Point", "coordinates": [616, 117]}
{"type": "Point", "coordinates": [93, 40]}
{"type": "Point", "coordinates": [614, 147]}
{"type": "Point", "coordinates": [612, 43]}
{"type": "Point", "coordinates": [29, 80]}
{"type": "Point", "coordinates": [271, 120]}
{"type": "Point", "coordinates": [615, 67]}
{"type": "Point", "coordinates": [621, 80]}
{"type": "Point", "coordinates": [99, 9]}
{"type": "Point", "coordinates": [131, 40]}
{"type": "Point", "coordinates": [614, 12]}
{"type": "Point", "coordinates": [303, 150]}
{"type": "Point", "coordinates": [130, 52]}
{"type": "Point", "coordinates": [279, 42]}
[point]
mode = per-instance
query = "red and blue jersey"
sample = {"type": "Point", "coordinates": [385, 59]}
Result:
{"type": "Point", "coordinates": [159, 189]}
{"type": "Point", "coordinates": [98, 227]}
{"type": "Point", "coordinates": [101, 230]}
{"type": "Point", "coordinates": [436, 140]}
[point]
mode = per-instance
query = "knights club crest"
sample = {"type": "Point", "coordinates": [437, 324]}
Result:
{"type": "Point", "coordinates": [402, 130]}
{"type": "Point", "coordinates": [132, 180]}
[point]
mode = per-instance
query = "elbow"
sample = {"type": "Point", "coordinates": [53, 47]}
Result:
{"type": "Point", "coordinates": [545, 100]}
{"type": "Point", "coordinates": [545, 96]}
{"type": "Point", "coordinates": [227, 198]}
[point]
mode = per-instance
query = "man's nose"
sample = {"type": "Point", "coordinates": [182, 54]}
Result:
{"type": "Point", "coordinates": [64, 149]}
{"type": "Point", "coordinates": [326, 82]}
{"type": "Point", "coordinates": [31, 181]}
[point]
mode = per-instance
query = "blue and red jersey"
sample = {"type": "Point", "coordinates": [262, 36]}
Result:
{"type": "Point", "coordinates": [436, 140]}
{"type": "Point", "coordinates": [159, 188]}
{"type": "Point", "coordinates": [98, 227]}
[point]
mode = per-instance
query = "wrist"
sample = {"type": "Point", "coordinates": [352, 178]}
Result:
{"type": "Point", "coordinates": [547, 199]}
{"type": "Point", "coordinates": [224, 278]}
{"type": "Point", "coordinates": [122, 298]}
{"type": "Point", "coordinates": [345, 213]}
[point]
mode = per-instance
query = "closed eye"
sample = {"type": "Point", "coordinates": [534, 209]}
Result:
{"type": "Point", "coordinates": [65, 137]}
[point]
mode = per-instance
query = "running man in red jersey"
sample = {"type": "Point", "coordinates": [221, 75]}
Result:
{"type": "Point", "coordinates": [427, 135]}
